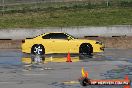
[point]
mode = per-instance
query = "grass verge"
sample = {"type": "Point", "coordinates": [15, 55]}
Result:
{"type": "Point", "coordinates": [67, 15]}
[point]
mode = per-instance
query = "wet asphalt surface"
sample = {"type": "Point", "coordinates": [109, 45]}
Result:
{"type": "Point", "coordinates": [112, 64]}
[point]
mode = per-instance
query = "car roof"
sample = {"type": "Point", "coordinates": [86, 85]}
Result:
{"type": "Point", "coordinates": [48, 33]}
{"type": "Point", "coordinates": [55, 32]}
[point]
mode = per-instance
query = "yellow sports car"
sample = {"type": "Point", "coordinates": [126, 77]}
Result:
{"type": "Point", "coordinates": [49, 43]}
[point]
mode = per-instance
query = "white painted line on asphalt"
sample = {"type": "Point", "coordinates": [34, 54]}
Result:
{"type": "Point", "coordinates": [71, 82]}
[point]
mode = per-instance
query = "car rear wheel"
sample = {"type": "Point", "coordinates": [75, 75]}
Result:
{"type": "Point", "coordinates": [86, 49]}
{"type": "Point", "coordinates": [38, 49]}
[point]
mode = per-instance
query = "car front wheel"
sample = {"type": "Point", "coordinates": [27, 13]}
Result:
{"type": "Point", "coordinates": [86, 49]}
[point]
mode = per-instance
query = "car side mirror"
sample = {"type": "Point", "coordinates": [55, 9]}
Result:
{"type": "Point", "coordinates": [68, 38]}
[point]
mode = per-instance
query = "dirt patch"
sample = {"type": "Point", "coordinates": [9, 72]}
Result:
{"type": "Point", "coordinates": [115, 42]}
{"type": "Point", "coordinates": [10, 44]}
{"type": "Point", "coordinates": [110, 42]}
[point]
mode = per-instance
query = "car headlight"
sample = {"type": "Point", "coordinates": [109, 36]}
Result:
{"type": "Point", "coordinates": [98, 42]}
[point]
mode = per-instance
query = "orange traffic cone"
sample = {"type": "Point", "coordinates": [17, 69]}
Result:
{"type": "Point", "coordinates": [126, 86]}
{"type": "Point", "coordinates": [84, 73]}
{"type": "Point", "coordinates": [126, 77]}
{"type": "Point", "coordinates": [68, 57]}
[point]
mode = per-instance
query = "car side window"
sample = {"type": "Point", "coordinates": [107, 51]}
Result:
{"type": "Point", "coordinates": [55, 36]}
{"type": "Point", "coordinates": [46, 36]}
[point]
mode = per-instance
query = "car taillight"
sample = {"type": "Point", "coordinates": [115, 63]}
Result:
{"type": "Point", "coordinates": [23, 41]}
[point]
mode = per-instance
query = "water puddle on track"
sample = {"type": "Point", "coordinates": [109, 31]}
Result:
{"type": "Point", "coordinates": [16, 65]}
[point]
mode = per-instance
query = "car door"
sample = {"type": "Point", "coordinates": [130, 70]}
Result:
{"type": "Point", "coordinates": [63, 43]}
{"type": "Point", "coordinates": [48, 43]}
{"type": "Point", "coordinates": [73, 46]}
{"type": "Point", "coordinates": [59, 43]}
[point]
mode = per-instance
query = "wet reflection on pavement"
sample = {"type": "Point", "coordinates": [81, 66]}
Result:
{"type": "Point", "coordinates": [52, 71]}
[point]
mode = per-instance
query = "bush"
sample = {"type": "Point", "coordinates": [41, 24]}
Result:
{"type": "Point", "coordinates": [126, 3]}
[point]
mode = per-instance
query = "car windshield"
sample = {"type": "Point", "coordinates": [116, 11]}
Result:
{"type": "Point", "coordinates": [71, 36]}
{"type": "Point", "coordinates": [57, 36]}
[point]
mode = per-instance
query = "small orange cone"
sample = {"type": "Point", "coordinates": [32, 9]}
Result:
{"type": "Point", "coordinates": [68, 57]}
{"type": "Point", "coordinates": [126, 86]}
{"type": "Point", "coordinates": [84, 74]}
{"type": "Point", "coordinates": [126, 78]}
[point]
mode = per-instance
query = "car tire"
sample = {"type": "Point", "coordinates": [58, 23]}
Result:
{"type": "Point", "coordinates": [37, 49]}
{"type": "Point", "coordinates": [86, 49]}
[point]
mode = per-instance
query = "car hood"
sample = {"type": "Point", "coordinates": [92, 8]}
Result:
{"type": "Point", "coordinates": [86, 40]}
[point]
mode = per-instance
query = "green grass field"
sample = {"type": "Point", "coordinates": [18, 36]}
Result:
{"type": "Point", "coordinates": [66, 16]}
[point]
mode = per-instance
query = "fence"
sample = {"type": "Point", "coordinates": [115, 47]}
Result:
{"type": "Point", "coordinates": [20, 5]}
